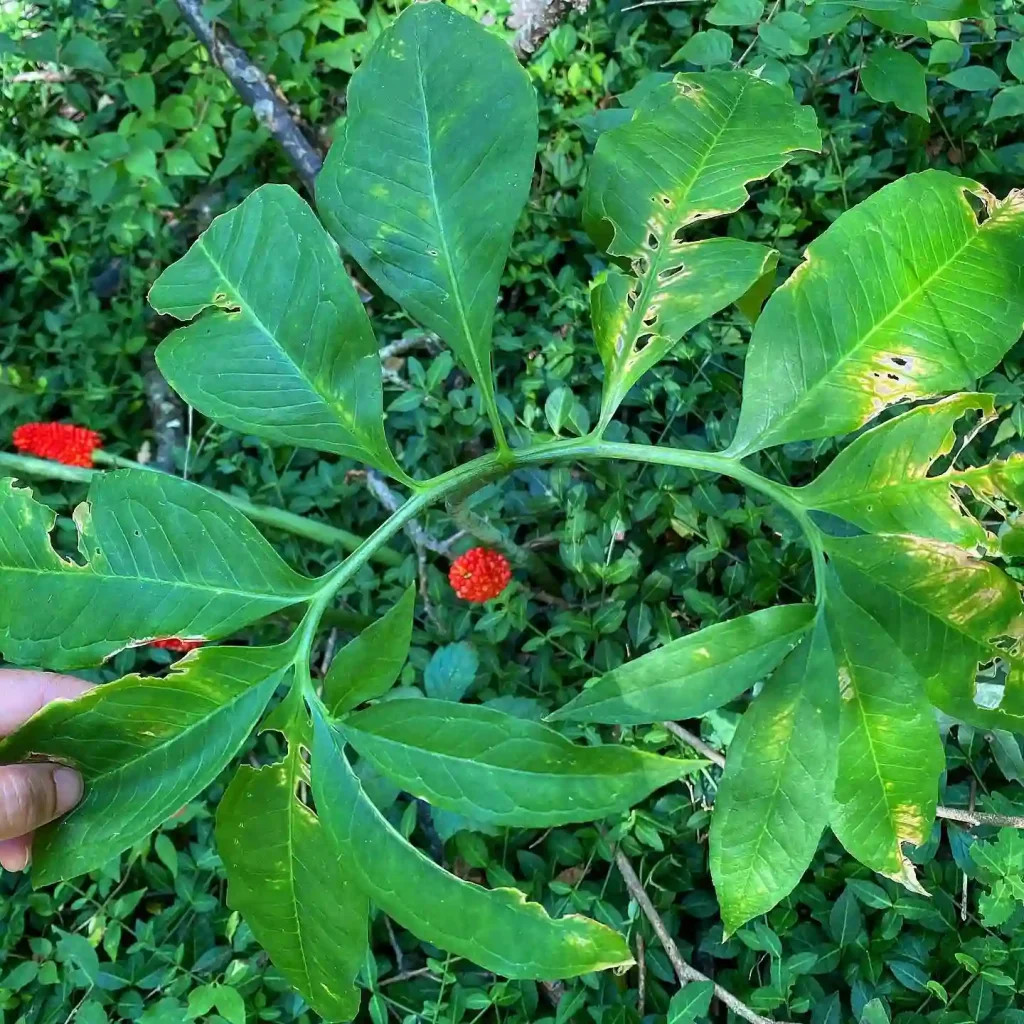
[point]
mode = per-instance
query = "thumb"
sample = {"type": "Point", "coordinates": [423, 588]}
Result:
{"type": "Point", "coordinates": [33, 794]}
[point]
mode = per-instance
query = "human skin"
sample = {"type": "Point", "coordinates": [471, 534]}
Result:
{"type": "Point", "coordinates": [32, 794]}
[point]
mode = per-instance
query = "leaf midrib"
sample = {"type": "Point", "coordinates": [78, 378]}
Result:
{"type": "Point", "coordinates": [228, 705]}
{"type": "Point", "coordinates": [82, 571]}
{"type": "Point", "coordinates": [479, 374]}
{"type": "Point", "coordinates": [515, 773]}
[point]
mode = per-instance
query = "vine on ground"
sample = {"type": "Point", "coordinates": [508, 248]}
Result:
{"type": "Point", "coordinates": [911, 295]}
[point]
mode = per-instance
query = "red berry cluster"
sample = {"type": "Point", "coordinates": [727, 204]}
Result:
{"type": "Point", "coordinates": [61, 442]}
{"type": "Point", "coordinates": [479, 574]}
{"type": "Point", "coordinates": [172, 643]}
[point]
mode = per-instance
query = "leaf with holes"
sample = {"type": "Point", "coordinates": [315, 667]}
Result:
{"type": "Point", "coordinates": [284, 350]}
{"type": "Point", "coordinates": [495, 928]}
{"type": "Point", "coordinates": [687, 154]}
{"type": "Point", "coordinates": [694, 674]}
{"type": "Point", "coordinates": [431, 170]}
{"type": "Point", "coordinates": [910, 294]}
{"type": "Point", "coordinates": [773, 801]}
{"type": "Point", "coordinates": [162, 558]}
{"type": "Point", "coordinates": [144, 747]}
{"type": "Point", "coordinates": [882, 482]}
{"type": "Point", "coordinates": [500, 769]}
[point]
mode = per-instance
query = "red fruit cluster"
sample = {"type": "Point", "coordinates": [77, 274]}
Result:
{"type": "Point", "coordinates": [172, 643]}
{"type": "Point", "coordinates": [479, 574]}
{"type": "Point", "coordinates": [61, 442]}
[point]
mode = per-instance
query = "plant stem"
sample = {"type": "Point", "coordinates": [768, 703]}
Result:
{"type": "Point", "coordinates": [300, 526]}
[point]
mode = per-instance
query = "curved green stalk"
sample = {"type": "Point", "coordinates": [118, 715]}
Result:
{"type": "Point", "coordinates": [502, 462]}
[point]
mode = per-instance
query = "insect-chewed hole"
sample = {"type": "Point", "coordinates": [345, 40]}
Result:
{"type": "Point", "coordinates": [680, 236]}
{"type": "Point", "coordinates": [899, 360]}
{"type": "Point", "coordinates": [651, 319]}
{"type": "Point", "coordinates": [652, 241]}
{"type": "Point", "coordinates": [669, 274]}
{"type": "Point", "coordinates": [978, 205]}
{"type": "Point", "coordinates": [642, 342]}
{"type": "Point", "coordinates": [666, 200]}
{"type": "Point", "coordinates": [631, 299]}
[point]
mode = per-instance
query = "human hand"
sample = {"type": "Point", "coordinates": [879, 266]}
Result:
{"type": "Point", "coordinates": [32, 794]}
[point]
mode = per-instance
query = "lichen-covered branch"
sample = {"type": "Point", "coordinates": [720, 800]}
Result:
{"type": "Point", "coordinates": [255, 89]}
{"type": "Point", "coordinates": [535, 20]}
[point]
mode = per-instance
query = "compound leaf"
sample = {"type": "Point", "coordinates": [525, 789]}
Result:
{"type": "Point", "coordinates": [285, 881]}
{"type": "Point", "coordinates": [162, 557]}
{"type": "Point", "coordinates": [431, 170]}
{"type": "Point", "coordinates": [909, 294]}
{"type": "Point", "coordinates": [495, 928]}
{"type": "Point", "coordinates": [694, 674]}
{"type": "Point", "coordinates": [773, 801]}
{"type": "Point", "coordinates": [285, 350]}
{"type": "Point", "coordinates": [500, 769]}
{"type": "Point", "coordinates": [687, 154]}
{"type": "Point", "coordinates": [367, 666]}
{"type": "Point", "coordinates": [940, 606]}
{"type": "Point", "coordinates": [890, 754]}
{"type": "Point", "coordinates": [144, 747]}
{"type": "Point", "coordinates": [882, 483]}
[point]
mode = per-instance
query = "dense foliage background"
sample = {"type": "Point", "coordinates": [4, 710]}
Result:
{"type": "Point", "coordinates": [119, 142]}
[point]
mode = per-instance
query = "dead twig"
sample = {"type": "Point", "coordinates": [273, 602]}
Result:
{"type": "Point", "coordinates": [684, 972]}
{"type": "Point", "coordinates": [256, 91]}
{"type": "Point", "coordinates": [167, 412]}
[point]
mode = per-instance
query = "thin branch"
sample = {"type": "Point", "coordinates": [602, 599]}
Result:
{"type": "Point", "coordinates": [378, 487]}
{"type": "Point", "coordinates": [971, 818]}
{"type": "Point", "coordinates": [684, 972]}
{"type": "Point", "coordinates": [535, 20]}
{"type": "Point", "coordinates": [255, 90]}
{"type": "Point", "coordinates": [167, 412]}
{"type": "Point", "coordinates": [40, 76]}
{"type": "Point", "coordinates": [691, 740]}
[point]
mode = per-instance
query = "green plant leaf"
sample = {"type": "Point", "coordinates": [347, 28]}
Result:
{"type": "Point", "coordinates": [926, 10]}
{"type": "Point", "coordinates": [503, 770]}
{"type": "Point", "coordinates": [701, 279]}
{"type": "Point", "coordinates": [706, 49]}
{"type": "Point", "coordinates": [694, 674]}
{"type": "Point", "coordinates": [451, 670]}
{"type": "Point", "coordinates": [285, 350]}
{"type": "Point", "coordinates": [895, 76]}
{"type": "Point", "coordinates": [431, 170]}
{"type": "Point", "coordinates": [144, 747]}
{"type": "Point", "coordinates": [905, 296]}
{"type": "Point", "coordinates": [890, 754]}
{"type": "Point", "coordinates": [296, 897]}
{"type": "Point", "coordinates": [162, 557]}
{"type": "Point", "coordinates": [687, 154]}
{"type": "Point", "coordinates": [940, 606]}
{"type": "Point", "coordinates": [495, 928]}
{"type": "Point", "coordinates": [773, 801]}
{"type": "Point", "coordinates": [367, 667]}
{"type": "Point", "coordinates": [691, 1002]}
{"type": "Point", "coordinates": [736, 12]}
{"type": "Point", "coordinates": [882, 483]}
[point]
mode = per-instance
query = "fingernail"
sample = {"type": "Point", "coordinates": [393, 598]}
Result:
{"type": "Point", "coordinates": [69, 788]}
{"type": "Point", "coordinates": [15, 860]}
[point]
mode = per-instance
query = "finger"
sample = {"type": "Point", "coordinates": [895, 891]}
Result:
{"type": "Point", "coordinates": [33, 794]}
{"type": "Point", "coordinates": [16, 853]}
{"type": "Point", "coordinates": [22, 694]}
